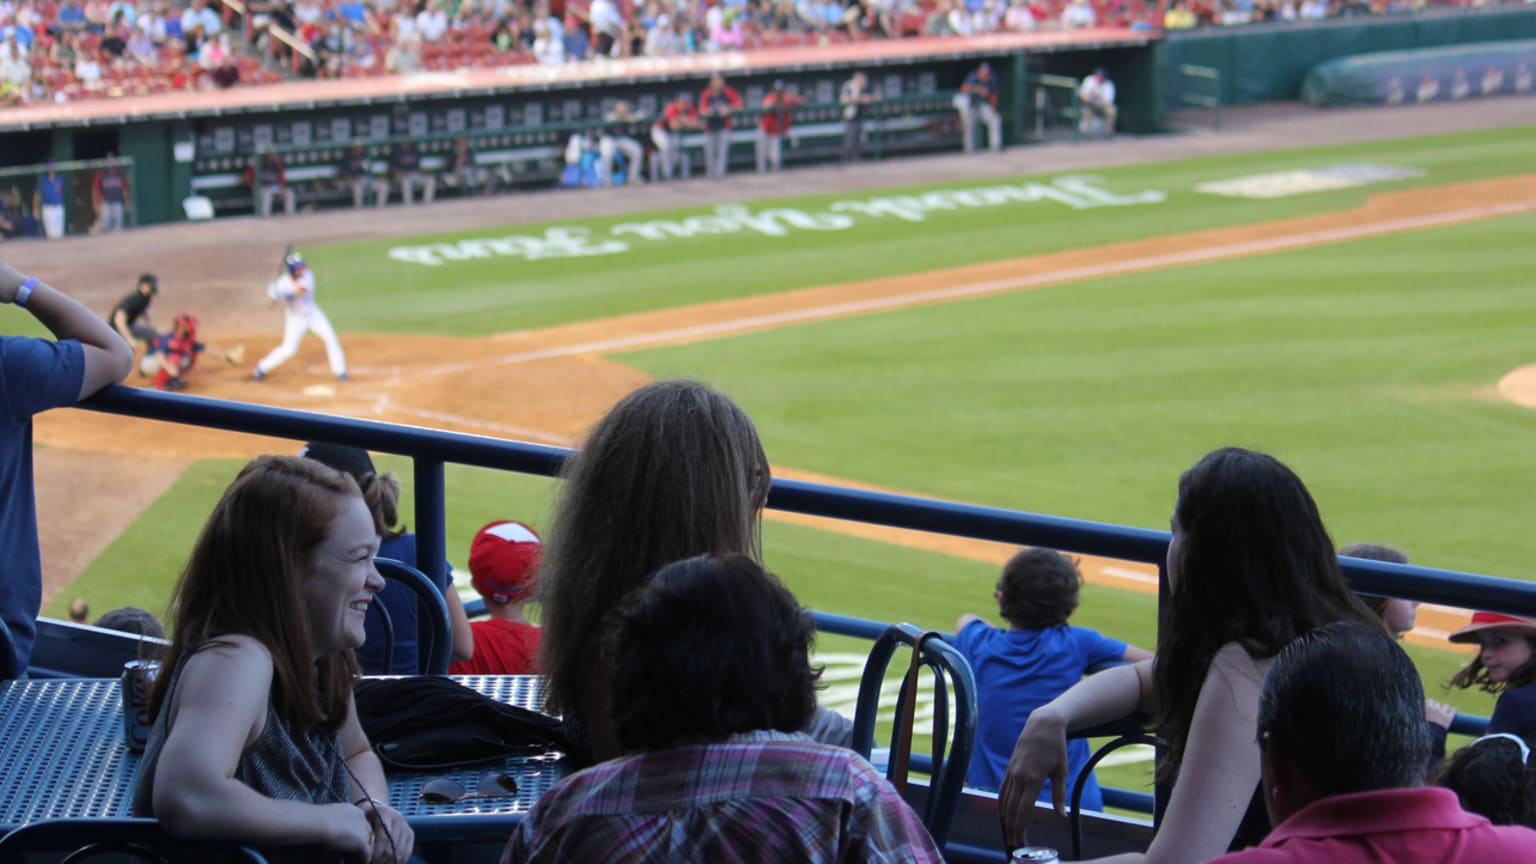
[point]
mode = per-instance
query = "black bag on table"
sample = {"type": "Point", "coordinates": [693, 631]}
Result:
{"type": "Point", "coordinates": [429, 723]}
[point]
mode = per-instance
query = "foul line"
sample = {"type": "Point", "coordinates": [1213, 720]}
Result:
{"type": "Point", "coordinates": [1152, 262]}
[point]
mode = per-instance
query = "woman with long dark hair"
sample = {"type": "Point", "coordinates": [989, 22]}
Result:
{"type": "Point", "coordinates": [1251, 568]}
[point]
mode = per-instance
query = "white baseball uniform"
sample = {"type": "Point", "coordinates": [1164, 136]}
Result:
{"type": "Point", "coordinates": [300, 315]}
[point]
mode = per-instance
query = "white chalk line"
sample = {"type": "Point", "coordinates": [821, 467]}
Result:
{"type": "Point", "coordinates": [386, 404]}
{"type": "Point", "coordinates": [1070, 274]}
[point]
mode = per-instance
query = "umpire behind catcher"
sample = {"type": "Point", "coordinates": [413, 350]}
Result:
{"type": "Point", "coordinates": [130, 317]}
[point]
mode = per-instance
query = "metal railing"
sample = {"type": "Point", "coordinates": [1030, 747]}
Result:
{"type": "Point", "coordinates": [431, 449]}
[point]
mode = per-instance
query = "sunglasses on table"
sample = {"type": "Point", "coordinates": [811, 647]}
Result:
{"type": "Point", "coordinates": [446, 790]}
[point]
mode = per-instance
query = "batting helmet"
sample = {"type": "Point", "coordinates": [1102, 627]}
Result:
{"type": "Point", "coordinates": [295, 263]}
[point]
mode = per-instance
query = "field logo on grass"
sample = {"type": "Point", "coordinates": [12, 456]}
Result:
{"type": "Point", "coordinates": [1283, 184]}
{"type": "Point", "coordinates": [1078, 191]}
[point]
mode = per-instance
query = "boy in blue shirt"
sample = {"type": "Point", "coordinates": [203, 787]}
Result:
{"type": "Point", "coordinates": [1032, 662]}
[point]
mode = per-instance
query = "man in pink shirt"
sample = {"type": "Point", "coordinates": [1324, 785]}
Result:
{"type": "Point", "coordinates": [1343, 746]}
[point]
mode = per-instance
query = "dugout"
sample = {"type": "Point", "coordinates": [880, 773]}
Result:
{"type": "Point", "coordinates": [518, 119]}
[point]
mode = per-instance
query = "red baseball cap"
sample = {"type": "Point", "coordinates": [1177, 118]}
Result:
{"type": "Point", "coordinates": [504, 562]}
{"type": "Point", "coordinates": [1492, 621]}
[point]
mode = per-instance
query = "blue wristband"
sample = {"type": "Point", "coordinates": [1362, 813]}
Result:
{"type": "Point", "coordinates": [24, 293]}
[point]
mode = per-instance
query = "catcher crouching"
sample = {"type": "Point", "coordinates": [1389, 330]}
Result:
{"type": "Point", "coordinates": [171, 355]}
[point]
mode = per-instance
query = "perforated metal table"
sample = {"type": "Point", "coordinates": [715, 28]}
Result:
{"type": "Point", "coordinates": [62, 756]}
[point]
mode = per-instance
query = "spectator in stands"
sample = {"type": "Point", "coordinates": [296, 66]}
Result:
{"type": "Point", "coordinates": [1179, 17]}
{"type": "Point", "coordinates": [619, 137]}
{"type": "Point", "coordinates": [712, 681]}
{"type": "Point", "coordinates": [978, 99]}
{"type": "Point", "coordinates": [1397, 616]}
{"type": "Point", "coordinates": [503, 567]}
{"type": "Point", "coordinates": [404, 57]}
{"type": "Point", "coordinates": [1034, 660]}
{"type": "Point", "coordinates": [79, 611]}
{"type": "Point", "coordinates": [268, 179]}
{"type": "Point", "coordinates": [35, 375]}
{"type": "Point", "coordinates": [1247, 541]}
{"type": "Point", "coordinates": [255, 737]}
{"type": "Point", "coordinates": [152, 24]}
{"type": "Point", "coordinates": [199, 24]}
{"type": "Point", "coordinates": [71, 17]}
{"type": "Point", "coordinates": [547, 47]}
{"type": "Point", "coordinates": [131, 619]}
{"type": "Point", "coordinates": [667, 134]}
{"type": "Point", "coordinates": [1019, 19]}
{"type": "Point", "coordinates": [381, 492]}
{"type": "Point", "coordinates": [218, 58]}
{"type": "Point", "coordinates": [773, 125]}
{"type": "Point", "coordinates": [716, 105]}
{"type": "Point", "coordinates": [1506, 665]}
{"type": "Point", "coordinates": [405, 169]}
{"type": "Point", "coordinates": [664, 39]}
{"type": "Point", "coordinates": [1493, 778]}
{"type": "Point", "coordinates": [15, 70]}
{"type": "Point", "coordinates": [855, 98]}
{"type": "Point", "coordinates": [355, 172]}
{"type": "Point", "coordinates": [1079, 15]}
{"type": "Point", "coordinates": [115, 43]}
{"type": "Point", "coordinates": [331, 50]}
{"type": "Point", "coordinates": [1342, 746]}
{"type": "Point", "coordinates": [674, 470]}
{"type": "Point", "coordinates": [1096, 97]}
{"type": "Point", "coordinates": [48, 201]}
{"type": "Point", "coordinates": [88, 70]}
{"type": "Point", "coordinates": [432, 21]}
{"type": "Point", "coordinates": [578, 41]}
{"type": "Point", "coordinates": [607, 27]}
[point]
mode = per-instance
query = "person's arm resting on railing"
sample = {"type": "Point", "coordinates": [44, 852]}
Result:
{"type": "Point", "coordinates": [218, 710]}
{"type": "Point", "coordinates": [108, 359]}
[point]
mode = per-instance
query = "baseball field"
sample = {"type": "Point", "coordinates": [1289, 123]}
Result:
{"type": "Point", "coordinates": [1059, 341]}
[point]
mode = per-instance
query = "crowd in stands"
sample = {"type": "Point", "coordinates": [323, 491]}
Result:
{"type": "Point", "coordinates": [58, 51]}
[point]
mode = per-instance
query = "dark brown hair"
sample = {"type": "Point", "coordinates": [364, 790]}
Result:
{"type": "Point", "coordinates": [1039, 589]}
{"type": "Point", "coordinates": [708, 648]}
{"type": "Point", "coordinates": [1254, 566]}
{"type": "Point", "coordinates": [1474, 674]}
{"type": "Point", "coordinates": [244, 577]}
{"type": "Point", "coordinates": [1374, 552]}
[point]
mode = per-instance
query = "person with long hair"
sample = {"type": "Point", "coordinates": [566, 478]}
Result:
{"type": "Point", "coordinates": [674, 470]}
{"type": "Point", "coordinates": [256, 737]}
{"type": "Point", "coordinates": [712, 684]}
{"type": "Point", "coordinates": [1250, 568]}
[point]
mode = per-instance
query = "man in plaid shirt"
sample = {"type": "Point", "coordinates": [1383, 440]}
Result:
{"type": "Point", "coordinates": [711, 677]}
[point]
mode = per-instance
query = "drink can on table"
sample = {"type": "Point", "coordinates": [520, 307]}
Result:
{"type": "Point", "coordinates": [138, 676]}
{"type": "Point", "coordinates": [1033, 855]}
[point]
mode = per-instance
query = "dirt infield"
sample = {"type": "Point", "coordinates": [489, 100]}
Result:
{"type": "Point", "coordinates": [561, 377]}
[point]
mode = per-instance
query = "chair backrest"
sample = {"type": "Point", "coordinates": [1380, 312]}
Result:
{"type": "Point", "coordinates": [434, 629]}
{"type": "Point", "coordinates": [952, 743]}
{"type": "Point", "coordinates": [84, 839]}
{"type": "Point", "coordinates": [1124, 733]}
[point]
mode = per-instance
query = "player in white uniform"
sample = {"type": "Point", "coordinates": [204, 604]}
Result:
{"type": "Point", "coordinates": [296, 291]}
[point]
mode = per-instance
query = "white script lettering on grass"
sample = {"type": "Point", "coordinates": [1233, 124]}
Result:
{"type": "Point", "coordinates": [1078, 191]}
{"type": "Point", "coordinates": [560, 241]}
{"type": "Point", "coordinates": [731, 218]}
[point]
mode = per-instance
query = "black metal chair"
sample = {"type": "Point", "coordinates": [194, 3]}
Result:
{"type": "Point", "coordinates": [951, 752]}
{"type": "Point", "coordinates": [9, 668]}
{"type": "Point", "coordinates": [1124, 732]}
{"type": "Point", "coordinates": [434, 628]}
{"type": "Point", "coordinates": [142, 840]}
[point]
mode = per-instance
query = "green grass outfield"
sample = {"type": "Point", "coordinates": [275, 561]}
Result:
{"type": "Point", "coordinates": [1366, 365]}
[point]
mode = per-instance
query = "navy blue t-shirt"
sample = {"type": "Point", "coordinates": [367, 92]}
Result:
{"type": "Point", "coordinates": [35, 375]}
{"type": "Point", "coordinates": [1515, 713]}
{"type": "Point", "coordinates": [1016, 672]}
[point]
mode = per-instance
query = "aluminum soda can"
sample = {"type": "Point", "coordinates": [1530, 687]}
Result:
{"type": "Point", "coordinates": [1033, 855]}
{"type": "Point", "coordinates": [138, 677]}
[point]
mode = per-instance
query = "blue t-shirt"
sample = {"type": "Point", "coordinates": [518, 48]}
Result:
{"type": "Point", "coordinates": [51, 189]}
{"type": "Point", "coordinates": [400, 601]}
{"type": "Point", "coordinates": [1017, 671]}
{"type": "Point", "coordinates": [1515, 713]}
{"type": "Point", "coordinates": [35, 375]}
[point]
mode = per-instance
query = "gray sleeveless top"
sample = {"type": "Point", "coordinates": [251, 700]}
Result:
{"type": "Point", "coordinates": [279, 763]}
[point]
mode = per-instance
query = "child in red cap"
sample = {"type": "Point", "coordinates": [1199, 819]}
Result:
{"type": "Point", "coordinates": [1505, 664]}
{"type": "Point", "coordinates": [503, 567]}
